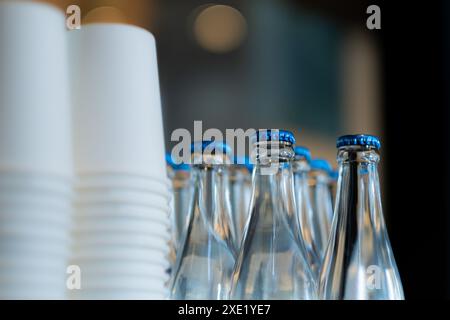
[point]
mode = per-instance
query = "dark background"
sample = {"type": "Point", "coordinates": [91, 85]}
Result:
{"type": "Point", "coordinates": [415, 43]}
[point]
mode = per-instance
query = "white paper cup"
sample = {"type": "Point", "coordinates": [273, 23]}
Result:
{"type": "Point", "coordinates": [115, 180]}
{"type": "Point", "coordinates": [124, 282]}
{"type": "Point", "coordinates": [121, 228]}
{"type": "Point", "coordinates": [14, 182]}
{"type": "Point", "coordinates": [33, 277]}
{"type": "Point", "coordinates": [129, 211]}
{"type": "Point", "coordinates": [11, 247]}
{"type": "Point", "coordinates": [35, 122]}
{"type": "Point", "coordinates": [116, 84]}
{"type": "Point", "coordinates": [124, 223]}
{"type": "Point", "coordinates": [16, 201]}
{"type": "Point", "coordinates": [30, 232]}
{"type": "Point", "coordinates": [122, 294]}
{"type": "Point", "coordinates": [122, 268]}
{"type": "Point", "coordinates": [37, 215]}
{"type": "Point", "coordinates": [107, 241]}
{"type": "Point", "coordinates": [20, 291]}
{"type": "Point", "coordinates": [25, 263]}
{"type": "Point", "coordinates": [103, 254]}
{"type": "Point", "coordinates": [122, 196]}
{"type": "Point", "coordinates": [156, 217]}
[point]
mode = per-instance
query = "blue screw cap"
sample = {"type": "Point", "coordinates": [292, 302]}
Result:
{"type": "Point", "coordinates": [211, 145]}
{"type": "Point", "coordinates": [175, 166]}
{"type": "Point", "coordinates": [321, 164]}
{"type": "Point", "coordinates": [302, 152]}
{"type": "Point", "coordinates": [359, 140]}
{"type": "Point", "coordinates": [273, 135]}
{"type": "Point", "coordinates": [334, 174]}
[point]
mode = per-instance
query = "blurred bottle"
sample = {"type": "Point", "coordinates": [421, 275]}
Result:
{"type": "Point", "coordinates": [270, 264]}
{"type": "Point", "coordinates": [207, 254]}
{"type": "Point", "coordinates": [321, 200]}
{"type": "Point", "coordinates": [334, 175]}
{"type": "Point", "coordinates": [359, 263]}
{"type": "Point", "coordinates": [181, 191]}
{"type": "Point", "coordinates": [308, 220]}
{"type": "Point", "coordinates": [241, 188]}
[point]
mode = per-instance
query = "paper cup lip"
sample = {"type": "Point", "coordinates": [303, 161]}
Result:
{"type": "Point", "coordinates": [125, 281]}
{"type": "Point", "coordinates": [83, 229]}
{"type": "Point", "coordinates": [155, 293]}
{"type": "Point", "coordinates": [108, 192]}
{"type": "Point", "coordinates": [118, 201]}
{"type": "Point", "coordinates": [146, 282]}
{"type": "Point", "coordinates": [119, 175]}
{"type": "Point", "coordinates": [12, 173]}
{"type": "Point", "coordinates": [25, 264]}
{"type": "Point", "coordinates": [130, 271]}
{"type": "Point", "coordinates": [42, 197]}
{"type": "Point", "coordinates": [98, 243]}
{"type": "Point", "coordinates": [31, 191]}
{"type": "Point", "coordinates": [159, 216]}
{"type": "Point", "coordinates": [120, 264]}
{"type": "Point", "coordinates": [154, 190]}
{"type": "Point", "coordinates": [81, 258]}
{"type": "Point", "coordinates": [29, 205]}
{"type": "Point", "coordinates": [30, 232]}
{"type": "Point", "coordinates": [24, 173]}
{"type": "Point", "coordinates": [120, 208]}
{"type": "Point", "coordinates": [125, 219]}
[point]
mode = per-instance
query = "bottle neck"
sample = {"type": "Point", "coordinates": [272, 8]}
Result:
{"type": "Point", "coordinates": [275, 195]}
{"type": "Point", "coordinates": [358, 195]}
{"type": "Point", "coordinates": [212, 196]}
{"type": "Point", "coordinates": [274, 188]}
{"type": "Point", "coordinates": [319, 177]}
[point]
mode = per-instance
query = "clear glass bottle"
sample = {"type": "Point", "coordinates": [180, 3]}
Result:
{"type": "Point", "coordinates": [334, 175]}
{"type": "Point", "coordinates": [270, 264]}
{"type": "Point", "coordinates": [308, 220]}
{"type": "Point", "coordinates": [359, 263]}
{"type": "Point", "coordinates": [181, 191]}
{"type": "Point", "coordinates": [207, 254]}
{"type": "Point", "coordinates": [321, 200]}
{"type": "Point", "coordinates": [240, 193]}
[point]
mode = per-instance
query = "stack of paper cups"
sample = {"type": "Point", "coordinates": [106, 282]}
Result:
{"type": "Point", "coordinates": [122, 203]}
{"type": "Point", "coordinates": [35, 152]}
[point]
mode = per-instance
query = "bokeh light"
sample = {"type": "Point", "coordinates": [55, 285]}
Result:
{"type": "Point", "coordinates": [220, 28]}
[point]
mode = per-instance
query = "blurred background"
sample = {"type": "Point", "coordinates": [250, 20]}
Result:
{"type": "Point", "coordinates": [313, 67]}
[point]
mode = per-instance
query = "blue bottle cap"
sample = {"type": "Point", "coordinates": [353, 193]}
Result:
{"type": "Point", "coordinates": [273, 135]}
{"type": "Point", "coordinates": [359, 140]}
{"type": "Point", "coordinates": [177, 167]}
{"type": "Point", "coordinates": [212, 145]}
{"type": "Point", "coordinates": [321, 164]}
{"type": "Point", "coordinates": [334, 174]}
{"type": "Point", "coordinates": [244, 161]}
{"type": "Point", "coordinates": [302, 152]}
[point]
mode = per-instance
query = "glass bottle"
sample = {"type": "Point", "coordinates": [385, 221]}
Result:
{"type": "Point", "coordinates": [359, 263]}
{"type": "Point", "coordinates": [181, 191]}
{"type": "Point", "coordinates": [321, 200]}
{"type": "Point", "coordinates": [241, 188]}
{"type": "Point", "coordinates": [207, 254]}
{"type": "Point", "coordinates": [334, 174]}
{"type": "Point", "coordinates": [270, 264]}
{"type": "Point", "coordinates": [308, 220]}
